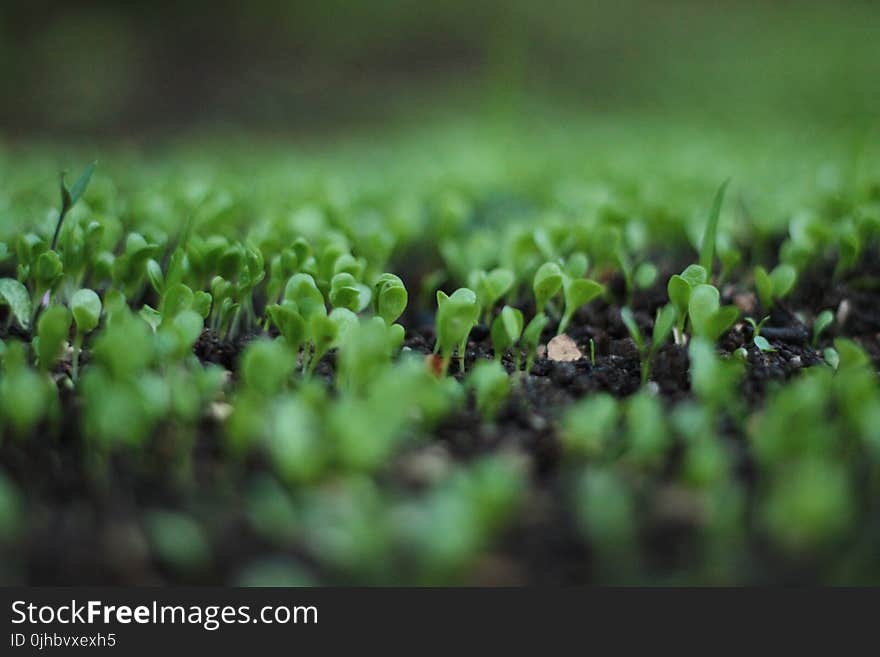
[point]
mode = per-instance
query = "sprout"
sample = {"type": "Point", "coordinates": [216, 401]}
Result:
{"type": "Point", "coordinates": [578, 292]}
{"type": "Point", "coordinates": [823, 321]}
{"type": "Point", "coordinates": [506, 331]}
{"type": "Point", "coordinates": [647, 435]}
{"type": "Point", "coordinates": [52, 331]}
{"type": "Point", "coordinates": [69, 197]}
{"type": "Point", "coordinates": [531, 337]}
{"type": "Point", "coordinates": [587, 426]}
{"type": "Point", "coordinates": [456, 316]}
{"type": "Point", "coordinates": [491, 386]}
{"type": "Point", "coordinates": [15, 295]}
{"type": "Point", "coordinates": [709, 319]}
{"type": "Point", "coordinates": [391, 298]}
{"type": "Point", "coordinates": [546, 284]}
{"type": "Point", "coordinates": [490, 287]}
{"type": "Point", "coordinates": [679, 289]}
{"type": "Point", "coordinates": [759, 340]}
{"type": "Point", "coordinates": [323, 331]}
{"type": "Point", "coordinates": [289, 322]}
{"type": "Point", "coordinates": [707, 247]}
{"type": "Point", "coordinates": [154, 274]}
{"type": "Point", "coordinates": [662, 328]}
{"type": "Point", "coordinates": [344, 292]}
{"type": "Point", "coordinates": [266, 367]}
{"type": "Point", "coordinates": [302, 290]}
{"type": "Point", "coordinates": [775, 285]}
{"type": "Point", "coordinates": [86, 308]}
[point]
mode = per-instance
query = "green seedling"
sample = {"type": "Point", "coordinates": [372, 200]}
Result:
{"type": "Point", "coordinates": [491, 386]}
{"type": "Point", "coordinates": [86, 309]}
{"type": "Point", "coordinates": [708, 318]}
{"type": "Point", "coordinates": [774, 286]}
{"type": "Point", "coordinates": [345, 292]}
{"type": "Point", "coordinates": [52, 330]}
{"type": "Point", "coordinates": [587, 426]}
{"type": "Point", "coordinates": [546, 284]}
{"type": "Point", "coordinates": [289, 322]}
{"type": "Point", "coordinates": [663, 324]}
{"type": "Point", "coordinates": [679, 288]}
{"type": "Point", "coordinates": [506, 332]}
{"type": "Point", "coordinates": [391, 298]}
{"type": "Point", "coordinates": [456, 316]}
{"type": "Point", "coordinates": [15, 295]}
{"type": "Point", "coordinates": [759, 340]}
{"type": "Point", "coordinates": [707, 247]}
{"type": "Point", "coordinates": [490, 288]}
{"type": "Point", "coordinates": [26, 396]}
{"type": "Point", "coordinates": [70, 196]}
{"type": "Point", "coordinates": [531, 338]}
{"type": "Point", "coordinates": [647, 433]}
{"type": "Point", "coordinates": [823, 321]}
{"type": "Point", "coordinates": [577, 292]}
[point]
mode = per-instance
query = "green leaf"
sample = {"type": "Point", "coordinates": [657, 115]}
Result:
{"type": "Point", "coordinates": [704, 303]}
{"type": "Point", "coordinates": [176, 299]}
{"type": "Point", "coordinates": [783, 278]}
{"type": "Point", "coordinates": [547, 283]}
{"type": "Point", "coordinates": [578, 292]}
{"type": "Point", "coordinates": [456, 316]}
{"type": "Point", "coordinates": [86, 308]}
{"type": "Point", "coordinates": [344, 292]}
{"type": "Point", "coordinates": [391, 298]}
{"type": "Point", "coordinates": [302, 290]}
{"type": "Point", "coordinates": [52, 330]}
{"type": "Point", "coordinates": [722, 320]}
{"type": "Point", "coordinates": [707, 248]}
{"type": "Point", "coordinates": [154, 273]}
{"type": "Point", "coordinates": [679, 291]}
{"type": "Point", "coordinates": [491, 387]}
{"type": "Point", "coordinates": [289, 323]}
{"type": "Point", "coordinates": [762, 344]}
{"type": "Point", "coordinates": [823, 321]}
{"type": "Point", "coordinates": [15, 295]}
{"type": "Point", "coordinates": [576, 265]}
{"type": "Point", "coordinates": [506, 330]}
{"type": "Point", "coordinates": [632, 326]}
{"type": "Point", "coordinates": [663, 324]}
{"type": "Point", "coordinates": [695, 275]}
{"type": "Point", "coordinates": [48, 268]}
{"type": "Point", "coordinates": [531, 336]}
{"type": "Point", "coordinates": [764, 286]}
{"type": "Point", "coordinates": [79, 187]}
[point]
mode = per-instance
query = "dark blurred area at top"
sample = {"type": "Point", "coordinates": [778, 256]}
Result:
{"type": "Point", "coordinates": [111, 68]}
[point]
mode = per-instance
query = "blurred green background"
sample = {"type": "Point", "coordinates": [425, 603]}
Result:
{"type": "Point", "coordinates": [83, 68]}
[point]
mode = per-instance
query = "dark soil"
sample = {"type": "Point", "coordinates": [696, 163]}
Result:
{"type": "Point", "coordinates": [85, 518]}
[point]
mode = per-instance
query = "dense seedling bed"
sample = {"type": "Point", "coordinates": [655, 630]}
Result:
{"type": "Point", "coordinates": [489, 366]}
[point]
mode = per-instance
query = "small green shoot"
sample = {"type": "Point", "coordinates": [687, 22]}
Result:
{"type": "Point", "coordinates": [774, 286]}
{"type": "Point", "coordinates": [823, 320]}
{"type": "Point", "coordinates": [85, 305]}
{"type": "Point", "coordinates": [531, 338]}
{"type": "Point", "coordinates": [69, 197]}
{"type": "Point", "coordinates": [506, 331]}
{"type": "Point", "coordinates": [491, 386]}
{"type": "Point", "coordinates": [709, 319]}
{"type": "Point", "coordinates": [663, 324]}
{"type": "Point", "coordinates": [707, 247]}
{"type": "Point", "coordinates": [456, 316]}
